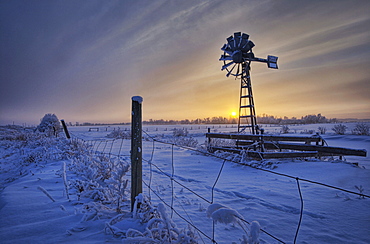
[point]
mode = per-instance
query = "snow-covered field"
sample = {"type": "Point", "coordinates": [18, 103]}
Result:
{"type": "Point", "coordinates": [36, 173]}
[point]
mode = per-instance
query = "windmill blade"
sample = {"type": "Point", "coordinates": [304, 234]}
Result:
{"type": "Point", "coordinates": [230, 41]}
{"type": "Point", "coordinates": [226, 49]}
{"type": "Point", "coordinates": [248, 46]}
{"type": "Point", "coordinates": [237, 39]}
{"type": "Point", "coordinates": [244, 40]}
{"type": "Point", "coordinates": [227, 65]}
{"type": "Point", "coordinates": [225, 58]}
{"type": "Point", "coordinates": [245, 36]}
{"type": "Point", "coordinates": [228, 73]}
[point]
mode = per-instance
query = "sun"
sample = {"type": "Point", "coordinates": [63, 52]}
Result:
{"type": "Point", "coordinates": [233, 114]}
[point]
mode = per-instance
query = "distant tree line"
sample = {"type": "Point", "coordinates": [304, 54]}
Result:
{"type": "Point", "coordinates": [308, 119]}
{"type": "Point", "coordinates": [213, 120]}
{"type": "Point", "coordinates": [263, 119]}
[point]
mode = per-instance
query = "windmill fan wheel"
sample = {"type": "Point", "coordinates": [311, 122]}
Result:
{"type": "Point", "coordinates": [237, 54]}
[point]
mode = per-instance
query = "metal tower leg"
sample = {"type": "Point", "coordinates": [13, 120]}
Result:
{"type": "Point", "coordinates": [247, 113]}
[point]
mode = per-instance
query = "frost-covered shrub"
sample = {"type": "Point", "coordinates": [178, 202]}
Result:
{"type": "Point", "coordinates": [179, 137]}
{"type": "Point", "coordinates": [49, 125]}
{"type": "Point", "coordinates": [26, 149]}
{"type": "Point", "coordinates": [185, 141]}
{"type": "Point", "coordinates": [217, 142]}
{"type": "Point", "coordinates": [322, 130]}
{"type": "Point", "coordinates": [285, 129]}
{"type": "Point", "coordinates": [180, 132]}
{"type": "Point", "coordinates": [339, 129]}
{"type": "Point", "coordinates": [143, 209]}
{"type": "Point", "coordinates": [361, 129]}
{"type": "Point", "coordinates": [35, 156]}
{"type": "Point", "coordinates": [158, 227]}
{"type": "Point", "coordinates": [18, 133]}
{"type": "Point", "coordinates": [77, 147]}
{"type": "Point", "coordinates": [102, 179]}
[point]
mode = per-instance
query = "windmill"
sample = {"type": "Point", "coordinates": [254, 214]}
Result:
{"type": "Point", "coordinates": [237, 60]}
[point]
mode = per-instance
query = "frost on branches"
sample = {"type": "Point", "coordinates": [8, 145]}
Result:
{"type": "Point", "coordinates": [49, 125]}
{"type": "Point", "coordinates": [100, 178]}
{"type": "Point", "coordinates": [153, 225]}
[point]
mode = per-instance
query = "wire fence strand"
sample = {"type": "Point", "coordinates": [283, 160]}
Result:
{"type": "Point", "coordinates": [233, 160]}
{"type": "Point", "coordinates": [179, 215]}
{"type": "Point", "coordinates": [96, 144]}
{"type": "Point", "coordinates": [172, 178]}
{"type": "Point", "coordinates": [301, 212]}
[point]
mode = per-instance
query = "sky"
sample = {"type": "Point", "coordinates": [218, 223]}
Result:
{"type": "Point", "coordinates": [85, 60]}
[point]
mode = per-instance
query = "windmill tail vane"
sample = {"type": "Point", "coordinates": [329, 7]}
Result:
{"type": "Point", "coordinates": [237, 58]}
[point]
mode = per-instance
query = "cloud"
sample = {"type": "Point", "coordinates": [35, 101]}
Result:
{"type": "Point", "coordinates": [85, 60]}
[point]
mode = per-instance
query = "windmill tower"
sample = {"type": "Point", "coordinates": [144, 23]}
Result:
{"type": "Point", "coordinates": [237, 60]}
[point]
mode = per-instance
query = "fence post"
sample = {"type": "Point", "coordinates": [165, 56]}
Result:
{"type": "Point", "coordinates": [209, 141]}
{"type": "Point", "coordinates": [65, 129]}
{"type": "Point", "coordinates": [136, 149]}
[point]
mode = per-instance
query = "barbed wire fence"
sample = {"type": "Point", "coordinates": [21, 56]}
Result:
{"type": "Point", "coordinates": [114, 148]}
{"type": "Point", "coordinates": [211, 201]}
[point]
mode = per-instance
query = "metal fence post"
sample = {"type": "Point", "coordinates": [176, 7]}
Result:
{"type": "Point", "coordinates": [136, 149]}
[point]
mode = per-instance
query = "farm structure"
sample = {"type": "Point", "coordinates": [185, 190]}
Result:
{"type": "Point", "coordinates": [237, 59]}
{"type": "Point", "coordinates": [278, 146]}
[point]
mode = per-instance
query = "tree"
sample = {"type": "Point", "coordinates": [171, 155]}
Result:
{"type": "Point", "coordinates": [361, 129]}
{"type": "Point", "coordinates": [339, 129]}
{"type": "Point", "coordinates": [49, 125]}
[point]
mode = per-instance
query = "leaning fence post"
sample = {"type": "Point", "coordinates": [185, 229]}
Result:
{"type": "Point", "coordinates": [209, 140]}
{"type": "Point", "coordinates": [136, 149]}
{"type": "Point", "coordinates": [65, 129]}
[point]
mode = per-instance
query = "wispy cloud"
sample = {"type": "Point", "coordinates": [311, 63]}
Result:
{"type": "Point", "coordinates": [84, 60]}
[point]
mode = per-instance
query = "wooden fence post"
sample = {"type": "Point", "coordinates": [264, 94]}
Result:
{"type": "Point", "coordinates": [209, 141]}
{"type": "Point", "coordinates": [65, 129]}
{"type": "Point", "coordinates": [136, 149]}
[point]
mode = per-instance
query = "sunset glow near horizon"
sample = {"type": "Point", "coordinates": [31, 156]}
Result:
{"type": "Point", "coordinates": [84, 60]}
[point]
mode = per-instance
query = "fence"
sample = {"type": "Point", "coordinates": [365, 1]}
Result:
{"type": "Point", "coordinates": [170, 175]}
{"type": "Point", "coordinates": [106, 147]}
{"type": "Point", "coordinates": [119, 148]}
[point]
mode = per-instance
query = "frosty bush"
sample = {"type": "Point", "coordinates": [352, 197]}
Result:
{"type": "Point", "coordinates": [339, 129]}
{"type": "Point", "coordinates": [103, 179]}
{"type": "Point", "coordinates": [159, 227]}
{"type": "Point", "coordinates": [322, 130]}
{"type": "Point", "coordinates": [179, 137]}
{"type": "Point", "coordinates": [32, 149]}
{"type": "Point", "coordinates": [217, 142]}
{"type": "Point", "coordinates": [180, 132]}
{"type": "Point", "coordinates": [49, 125]}
{"type": "Point", "coordinates": [285, 129]}
{"type": "Point", "coordinates": [185, 141]}
{"type": "Point", "coordinates": [16, 133]}
{"type": "Point", "coordinates": [361, 129]}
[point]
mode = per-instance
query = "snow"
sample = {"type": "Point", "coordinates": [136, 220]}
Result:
{"type": "Point", "coordinates": [255, 231]}
{"type": "Point", "coordinates": [137, 99]}
{"type": "Point", "coordinates": [34, 171]}
{"type": "Point", "coordinates": [225, 216]}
